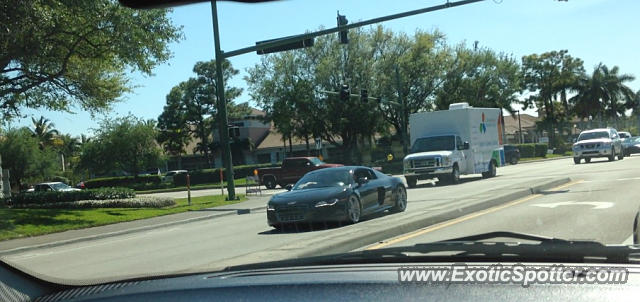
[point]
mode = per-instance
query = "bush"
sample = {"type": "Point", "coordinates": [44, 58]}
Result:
{"type": "Point", "coordinates": [526, 150]}
{"type": "Point", "coordinates": [56, 197]}
{"type": "Point", "coordinates": [541, 150]}
{"type": "Point", "coordinates": [208, 176]}
{"type": "Point", "coordinates": [136, 202]}
{"type": "Point", "coordinates": [123, 181]}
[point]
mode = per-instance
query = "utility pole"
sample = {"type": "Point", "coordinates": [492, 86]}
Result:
{"type": "Point", "coordinates": [222, 105]}
{"type": "Point", "coordinates": [520, 128]}
{"type": "Point", "coordinates": [403, 113]}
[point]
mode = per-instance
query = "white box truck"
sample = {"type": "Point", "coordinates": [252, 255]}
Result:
{"type": "Point", "coordinates": [449, 143]}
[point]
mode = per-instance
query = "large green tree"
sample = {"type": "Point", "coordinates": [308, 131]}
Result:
{"type": "Point", "coordinates": [173, 131]}
{"type": "Point", "coordinates": [604, 94]}
{"type": "Point", "coordinates": [126, 143]}
{"type": "Point", "coordinates": [65, 54]}
{"type": "Point", "coordinates": [482, 78]}
{"type": "Point", "coordinates": [22, 155]}
{"type": "Point", "coordinates": [197, 97]}
{"type": "Point", "coordinates": [547, 78]}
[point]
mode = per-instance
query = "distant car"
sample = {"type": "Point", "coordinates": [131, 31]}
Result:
{"type": "Point", "coordinates": [337, 194]}
{"type": "Point", "coordinates": [511, 154]}
{"type": "Point", "coordinates": [169, 176]}
{"type": "Point", "coordinates": [53, 186]}
{"type": "Point", "coordinates": [604, 142]}
{"type": "Point", "coordinates": [625, 137]}
{"type": "Point", "coordinates": [633, 145]}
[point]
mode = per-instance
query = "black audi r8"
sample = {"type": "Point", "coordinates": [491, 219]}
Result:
{"type": "Point", "coordinates": [337, 194]}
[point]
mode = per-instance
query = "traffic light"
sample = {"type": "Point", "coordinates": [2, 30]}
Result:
{"type": "Point", "coordinates": [364, 95]}
{"type": "Point", "coordinates": [342, 21]}
{"type": "Point", "coordinates": [344, 92]}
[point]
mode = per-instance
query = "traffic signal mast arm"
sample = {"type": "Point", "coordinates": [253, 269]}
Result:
{"type": "Point", "coordinates": [289, 40]}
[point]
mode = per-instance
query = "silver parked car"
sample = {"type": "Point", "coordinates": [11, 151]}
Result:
{"type": "Point", "coordinates": [603, 142]}
{"type": "Point", "coordinates": [53, 186]}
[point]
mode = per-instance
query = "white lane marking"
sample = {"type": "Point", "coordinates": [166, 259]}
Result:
{"type": "Point", "coordinates": [597, 205]}
{"type": "Point", "coordinates": [629, 240]}
{"type": "Point", "coordinates": [631, 178]}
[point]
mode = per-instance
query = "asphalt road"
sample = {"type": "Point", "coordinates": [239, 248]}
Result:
{"type": "Point", "coordinates": [599, 204]}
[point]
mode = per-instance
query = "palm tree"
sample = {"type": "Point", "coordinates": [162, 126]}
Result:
{"type": "Point", "coordinates": [603, 94]}
{"type": "Point", "coordinates": [43, 129]}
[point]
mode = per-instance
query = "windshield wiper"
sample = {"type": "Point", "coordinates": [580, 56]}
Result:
{"type": "Point", "coordinates": [474, 249]}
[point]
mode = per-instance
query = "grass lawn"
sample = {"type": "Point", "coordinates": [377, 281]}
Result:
{"type": "Point", "coordinates": [568, 153]}
{"type": "Point", "coordinates": [17, 223]}
{"type": "Point", "coordinates": [237, 182]}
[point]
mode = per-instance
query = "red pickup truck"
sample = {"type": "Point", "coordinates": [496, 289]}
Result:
{"type": "Point", "coordinates": [293, 168]}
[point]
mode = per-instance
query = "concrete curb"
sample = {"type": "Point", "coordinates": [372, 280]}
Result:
{"type": "Point", "coordinates": [128, 231]}
{"type": "Point", "coordinates": [371, 237]}
{"type": "Point", "coordinates": [544, 159]}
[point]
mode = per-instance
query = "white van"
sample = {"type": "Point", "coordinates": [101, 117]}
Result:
{"type": "Point", "coordinates": [449, 143]}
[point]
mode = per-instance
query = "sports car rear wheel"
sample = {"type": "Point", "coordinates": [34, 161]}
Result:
{"type": "Point", "coordinates": [353, 209]}
{"type": "Point", "coordinates": [400, 197]}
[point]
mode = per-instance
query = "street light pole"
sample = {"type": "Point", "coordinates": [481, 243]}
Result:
{"type": "Point", "coordinates": [520, 128]}
{"type": "Point", "coordinates": [222, 105]}
{"type": "Point", "coordinates": [403, 113]}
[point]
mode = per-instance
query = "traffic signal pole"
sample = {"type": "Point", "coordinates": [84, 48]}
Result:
{"type": "Point", "coordinates": [222, 106]}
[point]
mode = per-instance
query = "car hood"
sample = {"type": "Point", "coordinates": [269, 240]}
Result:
{"type": "Point", "coordinates": [310, 195]}
{"type": "Point", "coordinates": [428, 154]}
{"type": "Point", "coordinates": [592, 141]}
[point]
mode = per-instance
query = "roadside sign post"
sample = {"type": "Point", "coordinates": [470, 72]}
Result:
{"type": "Point", "coordinates": [189, 188]}
{"type": "Point", "coordinates": [221, 182]}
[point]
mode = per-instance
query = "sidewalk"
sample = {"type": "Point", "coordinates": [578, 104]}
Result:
{"type": "Point", "coordinates": [55, 239]}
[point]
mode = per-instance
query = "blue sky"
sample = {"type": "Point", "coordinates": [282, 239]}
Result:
{"type": "Point", "coordinates": [593, 30]}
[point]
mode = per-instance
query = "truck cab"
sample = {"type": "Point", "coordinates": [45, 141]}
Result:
{"type": "Point", "coordinates": [449, 143]}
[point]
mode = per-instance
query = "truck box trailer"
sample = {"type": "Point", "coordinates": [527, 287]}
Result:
{"type": "Point", "coordinates": [449, 143]}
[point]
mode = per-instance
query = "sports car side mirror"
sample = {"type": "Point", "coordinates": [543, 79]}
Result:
{"type": "Point", "coordinates": [288, 187]}
{"type": "Point", "coordinates": [362, 180]}
{"type": "Point", "coordinates": [465, 146]}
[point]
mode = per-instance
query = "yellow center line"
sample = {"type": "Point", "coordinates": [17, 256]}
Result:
{"type": "Point", "coordinates": [464, 218]}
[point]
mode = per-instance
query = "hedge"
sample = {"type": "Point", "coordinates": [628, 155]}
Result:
{"type": "Point", "coordinates": [541, 150]}
{"type": "Point", "coordinates": [136, 202]}
{"type": "Point", "coordinates": [123, 181]}
{"type": "Point", "coordinates": [532, 150]}
{"type": "Point", "coordinates": [208, 176]}
{"type": "Point", "coordinates": [526, 150]}
{"type": "Point", "coordinates": [70, 196]}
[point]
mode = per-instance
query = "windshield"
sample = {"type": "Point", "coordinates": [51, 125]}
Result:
{"type": "Point", "coordinates": [438, 143]}
{"type": "Point", "coordinates": [316, 161]}
{"type": "Point", "coordinates": [59, 186]}
{"type": "Point", "coordinates": [409, 114]}
{"type": "Point", "coordinates": [593, 135]}
{"type": "Point", "coordinates": [324, 179]}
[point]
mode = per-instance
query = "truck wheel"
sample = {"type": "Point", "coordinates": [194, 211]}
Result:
{"type": "Point", "coordinates": [412, 182]}
{"type": "Point", "coordinates": [587, 160]}
{"type": "Point", "coordinates": [454, 178]}
{"type": "Point", "coordinates": [492, 170]}
{"type": "Point", "coordinates": [576, 160]}
{"type": "Point", "coordinates": [269, 182]}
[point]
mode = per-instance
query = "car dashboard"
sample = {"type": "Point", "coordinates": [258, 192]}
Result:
{"type": "Point", "coordinates": [366, 282]}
